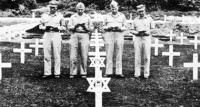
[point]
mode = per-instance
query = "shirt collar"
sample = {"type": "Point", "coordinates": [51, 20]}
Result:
{"type": "Point", "coordinates": [53, 14]}
{"type": "Point", "coordinates": [143, 17]}
{"type": "Point", "coordinates": [115, 16]}
{"type": "Point", "coordinates": [76, 15]}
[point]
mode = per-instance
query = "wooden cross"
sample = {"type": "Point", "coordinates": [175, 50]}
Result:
{"type": "Point", "coordinates": [36, 46]}
{"type": "Point", "coordinates": [171, 35]}
{"type": "Point", "coordinates": [195, 66]}
{"type": "Point", "coordinates": [156, 45]}
{"type": "Point", "coordinates": [195, 41]}
{"type": "Point", "coordinates": [181, 38]}
{"type": "Point", "coordinates": [22, 51]}
{"type": "Point", "coordinates": [171, 54]}
{"type": "Point", "coordinates": [3, 65]}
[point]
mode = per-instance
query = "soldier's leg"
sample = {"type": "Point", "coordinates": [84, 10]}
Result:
{"type": "Point", "coordinates": [47, 53]}
{"type": "Point", "coordinates": [57, 39]}
{"type": "Point", "coordinates": [84, 41]}
{"type": "Point", "coordinates": [73, 54]}
{"type": "Point", "coordinates": [119, 39]}
{"type": "Point", "coordinates": [147, 55]}
{"type": "Point", "coordinates": [109, 44]}
{"type": "Point", "coordinates": [138, 53]}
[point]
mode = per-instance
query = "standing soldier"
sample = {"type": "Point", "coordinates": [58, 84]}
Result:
{"type": "Point", "coordinates": [80, 26]}
{"type": "Point", "coordinates": [142, 26]}
{"type": "Point", "coordinates": [52, 23]}
{"type": "Point", "coordinates": [114, 27]}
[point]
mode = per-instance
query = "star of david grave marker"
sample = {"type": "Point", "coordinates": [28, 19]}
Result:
{"type": "Point", "coordinates": [98, 85]}
{"type": "Point", "coordinates": [22, 51]}
{"type": "Point", "coordinates": [195, 65]}
{"type": "Point", "coordinates": [3, 65]}
{"type": "Point", "coordinates": [171, 54]}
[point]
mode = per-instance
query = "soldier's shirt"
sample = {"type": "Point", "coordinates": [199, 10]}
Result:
{"type": "Point", "coordinates": [77, 19]}
{"type": "Point", "coordinates": [52, 20]}
{"type": "Point", "coordinates": [143, 24]}
{"type": "Point", "coordinates": [115, 20]}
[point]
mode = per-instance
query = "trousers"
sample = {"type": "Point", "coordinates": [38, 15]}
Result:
{"type": "Point", "coordinates": [79, 44]}
{"type": "Point", "coordinates": [52, 40]}
{"type": "Point", "coordinates": [114, 42]}
{"type": "Point", "coordinates": [142, 47]}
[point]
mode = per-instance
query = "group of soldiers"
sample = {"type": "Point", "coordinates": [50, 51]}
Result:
{"type": "Point", "coordinates": [114, 27]}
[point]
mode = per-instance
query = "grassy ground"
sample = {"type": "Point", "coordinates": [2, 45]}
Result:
{"type": "Point", "coordinates": [22, 84]}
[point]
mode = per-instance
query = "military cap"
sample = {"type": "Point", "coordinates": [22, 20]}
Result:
{"type": "Point", "coordinates": [114, 4]}
{"type": "Point", "coordinates": [53, 3]}
{"type": "Point", "coordinates": [80, 5]}
{"type": "Point", "coordinates": [141, 7]}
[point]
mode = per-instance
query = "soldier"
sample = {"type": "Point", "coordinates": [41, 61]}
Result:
{"type": "Point", "coordinates": [52, 23]}
{"type": "Point", "coordinates": [142, 26]}
{"type": "Point", "coordinates": [80, 26]}
{"type": "Point", "coordinates": [114, 27]}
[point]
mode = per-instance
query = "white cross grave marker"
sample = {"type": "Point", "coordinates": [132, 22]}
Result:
{"type": "Point", "coordinates": [181, 38]}
{"type": "Point", "coordinates": [171, 35]}
{"type": "Point", "coordinates": [171, 54]}
{"type": "Point", "coordinates": [36, 46]}
{"type": "Point", "coordinates": [156, 45]}
{"type": "Point", "coordinates": [3, 65]}
{"type": "Point", "coordinates": [22, 51]}
{"type": "Point", "coordinates": [195, 41]}
{"type": "Point", "coordinates": [98, 84]}
{"type": "Point", "coordinates": [195, 66]}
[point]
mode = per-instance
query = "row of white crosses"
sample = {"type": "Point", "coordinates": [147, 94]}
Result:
{"type": "Point", "coordinates": [22, 51]}
{"type": "Point", "coordinates": [171, 53]}
{"type": "Point", "coordinates": [98, 84]}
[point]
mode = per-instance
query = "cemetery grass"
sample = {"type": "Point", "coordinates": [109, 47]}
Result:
{"type": "Point", "coordinates": [22, 84]}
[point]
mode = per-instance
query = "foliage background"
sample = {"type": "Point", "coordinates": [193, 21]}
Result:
{"type": "Point", "coordinates": [103, 4]}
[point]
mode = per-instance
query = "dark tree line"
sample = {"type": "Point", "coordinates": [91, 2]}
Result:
{"type": "Point", "coordinates": [151, 5]}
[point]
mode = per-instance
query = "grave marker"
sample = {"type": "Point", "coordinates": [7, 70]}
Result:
{"type": "Point", "coordinates": [22, 51]}
{"type": "Point", "coordinates": [36, 46]}
{"type": "Point", "coordinates": [181, 38]}
{"type": "Point", "coordinates": [3, 65]}
{"type": "Point", "coordinates": [195, 41]}
{"type": "Point", "coordinates": [156, 45]}
{"type": "Point", "coordinates": [195, 65]}
{"type": "Point", "coordinates": [171, 54]}
{"type": "Point", "coordinates": [98, 85]}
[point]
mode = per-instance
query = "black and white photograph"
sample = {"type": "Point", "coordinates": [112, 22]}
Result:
{"type": "Point", "coordinates": [99, 53]}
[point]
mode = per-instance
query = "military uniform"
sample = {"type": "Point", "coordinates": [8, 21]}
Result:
{"type": "Point", "coordinates": [142, 43]}
{"type": "Point", "coordinates": [114, 39]}
{"type": "Point", "coordinates": [79, 43]}
{"type": "Point", "coordinates": [52, 38]}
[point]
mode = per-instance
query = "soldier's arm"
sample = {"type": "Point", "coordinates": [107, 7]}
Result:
{"type": "Point", "coordinates": [133, 31]}
{"type": "Point", "coordinates": [105, 23]}
{"type": "Point", "coordinates": [71, 23]}
{"type": "Point", "coordinates": [62, 23]}
{"type": "Point", "coordinates": [42, 22]}
{"type": "Point", "coordinates": [124, 24]}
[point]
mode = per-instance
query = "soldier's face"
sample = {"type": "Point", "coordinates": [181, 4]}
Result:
{"type": "Point", "coordinates": [114, 9]}
{"type": "Point", "coordinates": [52, 10]}
{"type": "Point", "coordinates": [80, 11]}
{"type": "Point", "coordinates": [141, 13]}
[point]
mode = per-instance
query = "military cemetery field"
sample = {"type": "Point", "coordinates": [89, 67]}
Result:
{"type": "Point", "coordinates": [22, 85]}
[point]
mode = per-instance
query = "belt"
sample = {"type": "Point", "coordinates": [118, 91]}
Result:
{"type": "Point", "coordinates": [141, 35]}
{"type": "Point", "coordinates": [113, 29]}
{"type": "Point", "coordinates": [80, 32]}
{"type": "Point", "coordinates": [51, 29]}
